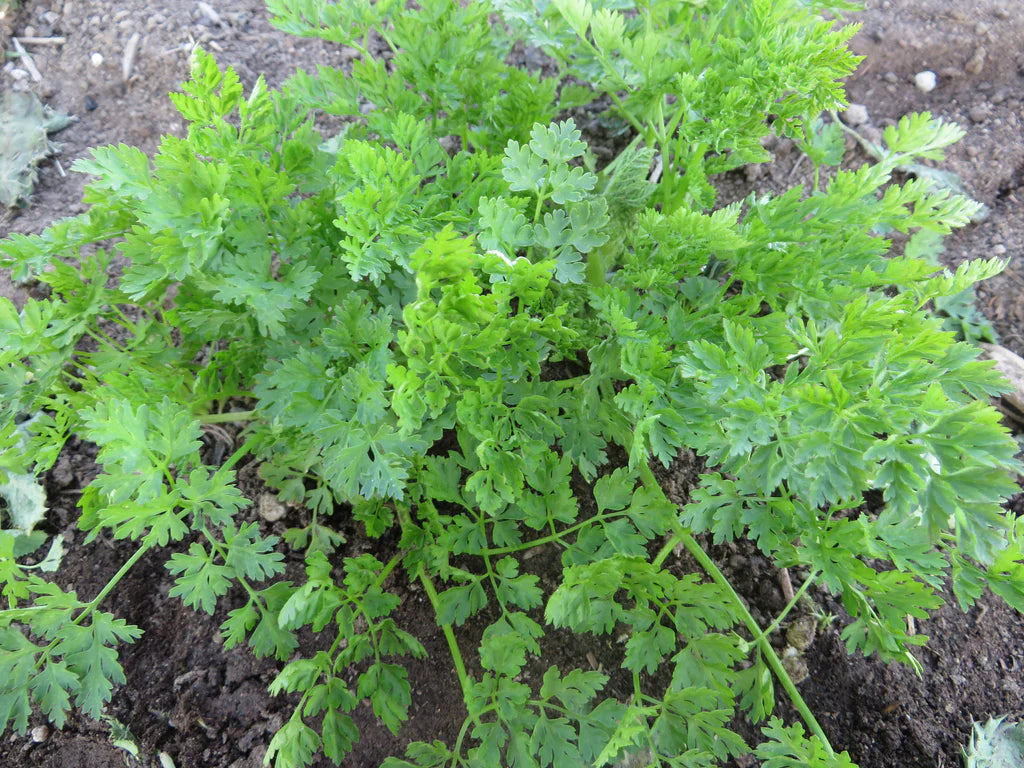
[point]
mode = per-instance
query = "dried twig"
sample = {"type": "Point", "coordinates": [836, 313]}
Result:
{"type": "Point", "coordinates": [786, 584]}
{"type": "Point", "coordinates": [27, 60]}
{"type": "Point", "coordinates": [655, 176]}
{"type": "Point", "coordinates": [40, 40]}
{"type": "Point", "coordinates": [128, 60]}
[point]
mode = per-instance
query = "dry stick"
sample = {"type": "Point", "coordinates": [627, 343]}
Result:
{"type": "Point", "coordinates": [128, 60]}
{"type": "Point", "coordinates": [40, 40]}
{"type": "Point", "coordinates": [656, 173]}
{"type": "Point", "coordinates": [27, 60]}
{"type": "Point", "coordinates": [786, 584]}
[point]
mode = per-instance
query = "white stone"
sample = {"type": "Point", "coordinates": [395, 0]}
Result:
{"type": "Point", "coordinates": [96, 59]}
{"type": "Point", "coordinates": [270, 508]}
{"type": "Point", "coordinates": [925, 81]}
{"type": "Point", "coordinates": [856, 114]}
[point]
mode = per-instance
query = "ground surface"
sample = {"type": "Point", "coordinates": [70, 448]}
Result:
{"type": "Point", "coordinates": [208, 708]}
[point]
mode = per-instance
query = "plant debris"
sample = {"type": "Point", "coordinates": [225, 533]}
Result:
{"type": "Point", "coordinates": [25, 126]}
{"type": "Point", "coordinates": [996, 744]}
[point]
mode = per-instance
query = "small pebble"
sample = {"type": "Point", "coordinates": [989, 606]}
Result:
{"type": "Point", "coordinates": [270, 507]}
{"type": "Point", "coordinates": [871, 133]}
{"type": "Point", "coordinates": [1001, 13]}
{"type": "Point", "coordinates": [891, 77]}
{"type": "Point", "coordinates": [978, 114]}
{"type": "Point", "coordinates": [856, 114]}
{"type": "Point", "coordinates": [972, 151]}
{"type": "Point", "coordinates": [62, 473]}
{"type": "Point", "coordinates": [40, 734]}
{"type": "Point", "coordinates": [17, 74]}
{"type": "Point", "coordinates": [29, 31]}
{"type": "Point", "coordinates": [925, 81]}
{"type": "Point", "coordinates": [999, 96]}
{"type": "Point", "coordinates": [90, 103]}
{"type": "Point", "coordinates": [998, 249]}
{"type": "Point", "coordinates": [980, 28]}
{"type": "Point", "coordinates": [50, 17]}
{"type": "Point", "coordinates": [977, 62]}
{"type": "Point", "coordinates": [96, 59]}
{"type": "Point", "coordinates": [795, 665]}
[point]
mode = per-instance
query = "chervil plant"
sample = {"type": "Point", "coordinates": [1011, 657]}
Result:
{"type": "Point", "coordinates": [450, 322]}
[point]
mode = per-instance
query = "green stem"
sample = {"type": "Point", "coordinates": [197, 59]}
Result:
{"type": "Point", "coordinates": [98, 335]}
{"type": "Point", "coordinates": [237, 456]}
{"type": "Point", "coordinates": [387, 569]}
{"type": "Point", "coordinates": [229, 417]}
{"type": "Point", "coordinates": [760, 640]}
{"type": "Point", "coordinates": [449, 636]}
{"type": "Point", "coordinates": [494, 583]}
{"type": "Point", "coordinates": [638, 697]}
{"type": "Point", "coordinates": [607, 65]}
{"type": "Point", "coordinates": [127, 321]}
{"type": "Point", "coordinates": [767, 631]}
{"type": "Point", "coordinates": [664, 552]}
{"type": "Point", "coordinates": [221, 549]}
{"type": "Point", "coordinates": [458, 742]}
{"type": "Point", "coordinates": [93, 604]}
{"type": "Point", "coordinates": [541, 199]}
{"type": "Point", "coordinates": [121, 573]}
{"type": "Point", "coordinates": [513, 548]}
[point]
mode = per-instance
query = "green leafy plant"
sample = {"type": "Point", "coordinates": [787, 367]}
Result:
{"type": "Point", "coordinates": [960, 310]}
{"type": "Point", "coordinates": [450, 323]}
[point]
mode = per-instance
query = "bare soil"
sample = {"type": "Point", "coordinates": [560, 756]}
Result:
{"type": "Point", "coordinates": [208, 708]}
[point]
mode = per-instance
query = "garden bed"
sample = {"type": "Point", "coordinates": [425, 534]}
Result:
{"type": "Point", "coordinates": [187, 697]}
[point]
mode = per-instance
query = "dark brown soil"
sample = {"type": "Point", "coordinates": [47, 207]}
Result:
{"type": "Point", "coordinates": [205, 707]}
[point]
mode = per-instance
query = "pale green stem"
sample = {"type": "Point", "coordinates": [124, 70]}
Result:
{"type": "Point", "coordinates": [684, 537]}
{"type": "Point", "coordinates": [229, 417]}
{"type": "Point", "coordinates": [767, 631]}
{"type": "Point", "coordinates": [449, 635]}
{"type": "Point", "coordinates": [767, 652]}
